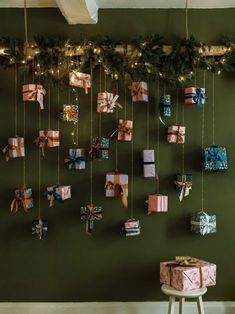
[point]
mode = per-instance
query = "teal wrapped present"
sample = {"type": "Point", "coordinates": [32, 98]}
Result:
{"type": "Point", "coordinates": [215, 158]}
{"type": "Point", "coordinates": [202, 223]}
{"type": "Point", "coordinates": [23, 199]}
{"type": "Point", "coordinates": [70, 113]}
{"type": "Point", "coordinates": [165, 105]}
{"type": "Point", "coordinates": [76, 159]}
{"type": "Point", "coordinates": [183, 184]}
{"type": "Point", "coordinates": [100, 148]}
{"type": "Point", "coordinates": [89, 214]}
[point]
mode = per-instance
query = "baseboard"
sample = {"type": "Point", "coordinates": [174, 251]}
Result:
{"type": "Point", "coordinates": [111, 308]}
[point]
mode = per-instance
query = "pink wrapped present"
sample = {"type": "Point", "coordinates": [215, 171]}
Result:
{"type": "Point", "coordinates": [176, 134]}
{"type": "Point", "coordinates": [124, 130]}
{"type": "Point", "coordinates": [48, 138]}
{"type": "Point", "coordinates": [195, 95]}
{"type": "Point", "coordinates": [34, 92]}
{"type": "Point", "coordinates": [157, 203]}
{"type": "Point", "coordinates": [107, 102]}
{"type": "Point", "coordinates": [139, 91]}
{"type": "Point", "coordinates": [15, 148]}
{"type": "Point", "coordinates": [188, 275]}
{"type": "Point", "coordinates": [79, 79]}
{"type": "Point", "coordinates": [58, 193]}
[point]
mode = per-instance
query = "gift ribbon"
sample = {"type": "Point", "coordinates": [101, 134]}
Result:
{"type": "Point", "coordinates": [96, 149]}
{"type": "Point", "coordinates": [20, 201]}
{"type": "Point", "coordinates": [109, 102]}
{"type": "Point", "coordinates": [163, 104]}
{"type": "Point", "coordinates": [44, 141]}
{"type": "Point", "coordinates": [90, 216]}
{"type": "Point", "coordinates": [197, 97]}
{"type": "Point", "coordinates": [185, 186]}
{"type": "Point", "coordinates": [6, 150]}
{"type": "Point", "coordinates": [119, 189]}
{"type": "Point", "coordinates": [138, 91]}
{"type": "Point", "coordinates": [73, 161]}
{"type": "Point", "coordinates": [123, 129]}
{"type": "Point", "coordinates": [206, 224]}
{"type": "Point", "coordinates": [179, 135]}
{"type": "Point", "coordinates": [53, 196]}
{"type": "Point", "coordinates": [85, 80]}
{"type": "Point", "coordinates": [39, 91]}
{"type": "Point", "coordinates": [213, 156]}
{"type": "Point", "coordinates": [70, 114]}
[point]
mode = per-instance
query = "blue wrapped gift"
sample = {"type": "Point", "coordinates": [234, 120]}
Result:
{"type": "Point", "coordinates": [202, 223]}
{"type": "Point", "coordinates": [215, 158]}
{"type": "Point", "coordinates": [165, 105]}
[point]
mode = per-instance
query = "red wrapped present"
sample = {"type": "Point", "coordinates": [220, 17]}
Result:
{"type": "Point", "coordinates": [34, 92]}
{"type": "Point", "coordinates": [124, 130]}
{"type": "Point", "coordinates": [157, 203]}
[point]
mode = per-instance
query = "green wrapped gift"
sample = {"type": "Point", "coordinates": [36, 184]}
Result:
{"type": "Point", "coordinates": [202, 223]}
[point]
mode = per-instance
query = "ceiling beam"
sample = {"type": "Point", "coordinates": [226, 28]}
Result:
{"type": "Point", "coordinates": [79, 11]}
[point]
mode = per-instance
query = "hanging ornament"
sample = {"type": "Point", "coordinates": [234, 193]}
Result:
{"type": "Point", "coordinates": [15, 148]}
{"type": "Point", "coordinates": [33, 93]}
{"type": "Point", "coordinates": [195, 95]}
{"type": "Point", "coordinates": [203, 223]}
{"type": "Point", "coordinates": [79, 79]}
{"type": "Point", "coordinates": [124, 130]}
{"type": "Point", "coordinates": [23, 199]}
{"type": "Point", "coordinates": [139, 91]}
{"type": "Point", "coordinates": [39, 228]}
{"type": "Point", "coordinates": [117, 186]}
{"type": "Point", "coordinates": [132, 227]}
{"type": "Point", "coordinates": [165, 107]}
{"type": "Point", "coordinates": [176, 134]}
{"type": "Point", "coordinates": [76, 159]}
{"type": "Point", "coordinates": [100, 148]}
{"type": "Point", "coordinates": [107, 102]}
{"type": "Point", "coordinates": [184, 184]}
{"type": "Point", "coordinates": [215, 158]}
{"type": "Point", "coordinates": [89, 214]}
{"type": "Point", "coordinates": [47, 138]}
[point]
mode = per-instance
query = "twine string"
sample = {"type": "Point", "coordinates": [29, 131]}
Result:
{"type": "Point", "coordinates": [203, 133]}
{"type": "Point", "coordinates": [26, 26]}
{"type": "Point", "coordinates": [91, 135]}
{"type": "Point", "coordinates": [116, 143]}
{"type": "Point", "coordinates": [49, 103]}
{"type": "Point", "coordinates": [24, 134]}
{"type": "Point", "coordinates": [183, 145]}
{"type": "Point", "coordinates": [213, 108]}
{"type": "Point", "coordinates": [58, 128]}
{"type": "Point", "coordinates": [15, 99]}
{"type": "Point", "coordinates": [186, 20]}
{"type": "Point", "coordinates": [158, 133]}
{"type": "Point", "coordinates": [132, 164]}
{"type": "Point", "coordinates": [125, 98]}
{"type": "Point", "coordinates": [177, 106]}
{"type": "Point", "coordinates": [100, 115]}
{"type": "Point", "coordinates": [147, 122]}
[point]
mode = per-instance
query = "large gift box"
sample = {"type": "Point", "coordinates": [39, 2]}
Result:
{"type": "Point", "coordinates": [79, 79]}
{"type": "Point", "coordinates": [149, 163]}
{"type": "Point", "coordinates": [124, 130]}
{"type": "Point", "coordinates": [23, 199]}
{"type": "Point", "coordinates": [40, 228]}
{"type": "Point", "coordinates": [58, 193]}
{"type": "Point", "coordinates": [100, 148]}
{"type": "Point", "coordinates": [34, 92]}
{"type": "Point", "coordinates": [76, 159]}
{"type": "Point", "coordinates": [165, 105]}
{"type": "Point", "coordinates": [176, 134]}
{"type": "Point", "coordinates": [195, 95]}
{"type": "Point", "coordinates": [132, 227]}
{"type": "Point", "coordinates": [89, 214]}
{"type": "Point", "coordinates": [215, 158]}
{"type": "Point", "coordinates": [117, 185]}
{"type": "Point", "coordinates": [48, 138]}
{"type": "Point", "coordinates": [70, 113]}
{"type": "Point", "coordinates": [15, 148]}
{"type": "Point", "coordinates": [157, 203]}
{"type": "Point", "coordinates": [184, 184]}
{"type": "Point", "coordinates": [202, 223]}
{"type": "Point", "coordinates": [186, 273]}
{"type": "Point", "coordinates": [107, 102]}
{"type": "Point", "coordinates": [139, 91]}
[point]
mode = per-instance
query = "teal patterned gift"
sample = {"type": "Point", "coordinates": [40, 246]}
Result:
{"type": "Point", "coordinates": [70, 113]}
{"type": "Point", "coordinates": [215, 158]}
{"type": "Point", "coordinates": [202, 223]}
{"type": "Point", "coordinates": [100, 148]}
{"type": "Point", "coordinates": [89, 214]}
{"type": "Point", "coordinates": [165, 105]}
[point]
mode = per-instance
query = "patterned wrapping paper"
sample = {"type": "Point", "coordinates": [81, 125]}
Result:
{"type": "Point", "coordinates": [176, 134]}
{"type": "Point", "coordinates": [132, 227]}
{"type": "Point", "coordinates": [157, 203]}
{"type": "Point", "coordinates": [187, 278]}
{"type": "Point", "coordinates": [15, 148]}
{"type": "Point", "coordinates": [58, 193]}
{"type": "Point", "coordinates": [125, 129]}
{"type": "Point", "coordinates": [107, 102]}
{"type": "Point", "coordinates": [76, 159]}
{"type": "Point", "coordinates": [70, 113]}
{"type": "Point", "coordinates": [184, 184]}
{"type": "Point", "coordinates": [100, 148]}
{"type": "Point", "coordinates": [48, 138]}
{"type": "Point", "coordinates": [195, 95]}
{"type": "Point", "coordinates": [165, 105]}
{"type": "Point", "coordinates": [34, 92]}
{"type": "Point", "coordinates": [117, 185]}
{"type": "Point", "coordinates": [23, 199]}
{"type": "Point", "coordinates": [215, 158]}
{"type": "Point", "coordinates": [202, 223]}
{"type": "Point", "coordinates": [89, 214]}
{"type": "Point", "coordinates": [40, 228]}
{"type": "Point", "coordinates": [149, 163]}
{"type": "Point", "coordinates": [139, 91]}
{"type": "Point", "coordinates": [79, 79]}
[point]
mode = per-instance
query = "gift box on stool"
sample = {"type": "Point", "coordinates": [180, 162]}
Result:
{"type": "Point", "coordinates": [117, 185]}
{"type": "Point", "coordinates": [15, 148]}
{"type": "Point", "coordinates": [76, 159]}
{"type": "Point", "coordinates": [79, 79]}
{"type": "Point", "coordinates": [34, 92]}
{"type": "Point", "coordinates": [165, 105]}
{"type": "Point", "coordinates": [107, 102]}
{"type": "Point", "coordinates": [203, 223]}
{"type": "Point", "coordinates": [132, 227]}
{"type": "Point", "coordinates": [195, 95]}
{"type": "Point", "coordinates": [215, 158]}
{"type": "Point", "coordinates": [139, 91]}
{"type": "Point", "coordinates": [149, 163]}
{"type": "Point", "coordinates": [176, 134]}
{"type": "Point", "coordinates": [157, 203]}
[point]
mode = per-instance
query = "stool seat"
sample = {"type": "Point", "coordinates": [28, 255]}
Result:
{"type": "Point", "coordinates": [169, 291]}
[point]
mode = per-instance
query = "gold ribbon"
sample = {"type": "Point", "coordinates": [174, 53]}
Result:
{"type": "Point", "coordinates": [70, 113]}
{"type": "Point", "coordinates": [179, 135]}
{"type": "Point", "coordinates": [119, 189]}
{"type": "Point", "coordinates": [44, 141]}
{"type": "Point", "coordinates": [138, 91]}
{"type": "Point", "coordinates": [17, 148]}
{"type": "Point", "coordinates": [39, 91]}
{"type": "Point", "coordinates": [20, 201]}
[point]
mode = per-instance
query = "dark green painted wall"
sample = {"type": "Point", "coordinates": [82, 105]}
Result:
{"type": "Point", "coordinates": [68, 265]}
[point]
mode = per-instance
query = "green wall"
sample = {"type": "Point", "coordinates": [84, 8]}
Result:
{"type": "Point", "coordinates": [68, 265]}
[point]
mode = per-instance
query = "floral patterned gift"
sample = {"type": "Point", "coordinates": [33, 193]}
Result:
{"type": "Point", "coordinates": [79, 79]}
{"type": "Point", "coordinates": [23, 199]}
{"type": "Point", "coordinates": [215, 158]}
{"type": "Point", "coordinates": [89, 214]}
{"type": "Point", "coordinates": [202, 223]}
{"type": "Point", "coordinates": [165, 105]}
{"type": "Point", "coordinates": [70, 113]}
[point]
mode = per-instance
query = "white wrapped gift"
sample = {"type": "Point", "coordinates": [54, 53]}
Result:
{"type": "Point", "coordinates": [149, 163]}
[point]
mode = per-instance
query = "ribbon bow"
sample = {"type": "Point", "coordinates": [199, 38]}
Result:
{"type": "Point", "coordinates": [42, 142]}
{"type": "Point", "coordinates": [214, 157]}
{"type": "Point", "coordinates": [39, 228]}
{"type": "Point", "coordinates": [6, 150]}
{"type": "Point", "coordinates": [40, 92]}
{"type": "Point", "coordinates": [137, 90]}
{"type": "Point", "coordinates": [119, 189]}
{"type": "Point", "coordinates": [199, 97]}
{"type": "Point", "coordinates": [89, 214]}
{"type": "Point", "coordinates": [74, 160]}
{"type": "Point", "coordinates": [96, 149]}
{"type": "Point", "coordinates": [53, 196]}
{"type": "Point", "coordinates": [205, 223]}
{"type": "Point", "coordinates": [20, 201]}
{"type": "Point", "coordinates": [185, 186]}
{"type": "Point", "coordinates": [110, 102]}
{"type": "Point", "coordinates": [84, 78]}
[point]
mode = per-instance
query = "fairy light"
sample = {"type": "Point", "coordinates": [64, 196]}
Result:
{"type": "Point", "coordinates": [160, 74]}
{"type": "Point", "coordinates": [219, 72]}
{"type": "Point", "coordinates": [139, 54]}
{"type": "Point", "coordinates": [181, 78]}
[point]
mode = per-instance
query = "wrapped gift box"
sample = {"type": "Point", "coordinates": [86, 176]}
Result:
{"type": "Point", "coordinates": [23, 199]}
{"type": "Point", "coordinates": [125, 129]}
{"type": "Point", "coordinates": [34, 92]}
{"type": "Point", "coordinates": [139, 91]}
{"type": "Point", "coordinates": [40, 228]}
{"type": "Point", "coordinates": [15, 148]}
{"type": "Point", "coordinates": [100, 148]}
{"type": "Point", "coordinates": [47, 138]}
{"type": "Point", "coordinates": [157, 203]}
{"type": "Point", "coordinates": [176, 134]}
{"type": "Point", "coordinates": [76, 159]}
{"type": "Point", "coordinates": [89, 214]}
{"type": "Point", "coordinates": [132, 227]}
{"type": "Point", "coordinates": [79, 79]}
{"type": "Point", "coordinates": [107, 102]}
{"type": "Point", "coordinates": [165, 105]}
{"type": "Point", "coordinates": [202, 223]}
{"type": "Point", "coordinates": [149, 163]}
{"type": "Point", "coordinates": [195, 95]}
{"type": "Point", "coordinates": [195, 275]}
{"type": "Point", "coordinates": [215, 158]}
{"type": "Point", "coordinates": [70, 113]}
{"type": "Point", "coordinates": [117, 185]}
{"type": "Point", "coordinates": [58, 193]}
{"type": "Point", "coordinates": [184, 184]}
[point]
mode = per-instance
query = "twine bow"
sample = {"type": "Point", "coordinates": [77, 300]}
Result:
{"type": "Point", "coordinates": [185, 186]}
{"type": "Point", "coordinates": [89, 214]}
{"type": "Point", "coordinates": [40, 92]}
{"type": "Point", "coordinates": [199, 97]}
{"type": "Point", "coordinates": [110, 102]}
{"type": "Point", "coordinates": [137, 90]}
{"type": "Point", "coordinates": [119, 190]}
{"type": "Point", "coordinates": [205, 223]}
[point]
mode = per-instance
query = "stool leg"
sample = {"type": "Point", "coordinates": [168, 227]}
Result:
{"type": "Point", "coordinates": [182, 305]}
{"type": "Point", "coordinates": [200, 305]}
{"type": "Point", "coordinates": [171, 305]}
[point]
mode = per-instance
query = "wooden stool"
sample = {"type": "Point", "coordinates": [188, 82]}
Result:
{"type": "Point", "coordinates": [182, 295]}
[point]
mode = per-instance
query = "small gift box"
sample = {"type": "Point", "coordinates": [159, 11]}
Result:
{"type": "Point", "coordinates": [176, 134]}
{"type": "Point", "coordinates": [70, 113]}
{"type": "Point", "coordinates": [76, 159]}
{"type": "Point", "coordinates": [58, 193]}
{"type": "Point", "coordinates": [157, 203]}
{"type": "Point", "coordinates": [89, 214]}
{"type": "Point", "coordinates": [149, 163]}
{"type": "Point", "coordinates": [186, 273]}
{"type": "Point", "coordinates": [132, 227]}
{"type": "Point", "coordinates": [100, 148]}
{"type": "Point", "coordinates": [139, 91]}
{"type": "Point", "coordinates": [215, 158]}
{"type": "Point", "coordinates": [107, 102]}
{"type": "Point", "coordinates": [165, 105]}
{"type": "Point", "coordinates": [117, 185]}
{"type": "Point", "coordinates": [34, 92]}
{"type": "Point", "coordinates": [195, 95]}
{"type": "Point", "coordinates": [79, 79]}
{"type": "Point", "coordinates": [124, 130]}
{"type": "Point", "coordinates": [48, 138]}
{"type": "Point", "coordinates": [40, 228]}
{"type": "Point", "coordinates": [23, 199]}
{"type": "Point", "coordinates": [202, 223]}
{"type": "Point", "coordinates": [184, 184]}
{"type": "Point", "coordinates": [15, 148]}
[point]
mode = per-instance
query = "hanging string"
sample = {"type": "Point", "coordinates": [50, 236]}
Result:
{"type": "Point", "coordinates": [116, 144]}
{"type": "Point", "coordinates": [26, 27]}
{"type": "Point", "coordinates": [105, 82]}
{"type": "Point", "coordinates": [49, 103]}
{"type": "Point", "coordinates": [58, 128]}
{"type": "Point", "coordinates": [125, 98]}
{"type": "Point", "coordinates": [91, 135]}
{"type": "Point", "coordinates": [195, 78]}
{"type": "Point", "coordinates": [147, 122]}
{"type": "Point", "coordinates": [39, 166]}
{"type": "Point", "coordinates": [203, 132]}
{"type": "Point", "coordinates": [183, 145]}
{"type": "Point", "coordinates": [177, 106]}
{"type": "Point", "coordinates": [15, 100]}
{"type": "Point", "coordinates": [100, 115]}
{"type": "Point", "coordinates": [24, 134]}
{"type": "Point", "coordinates": [213, 108]}
{"type": "Point", "coordinates": [186, 19]}
{"type": "Point", "coordinates": [158, 132]}
{"type": "Point", "coordinates": [132, 164]}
